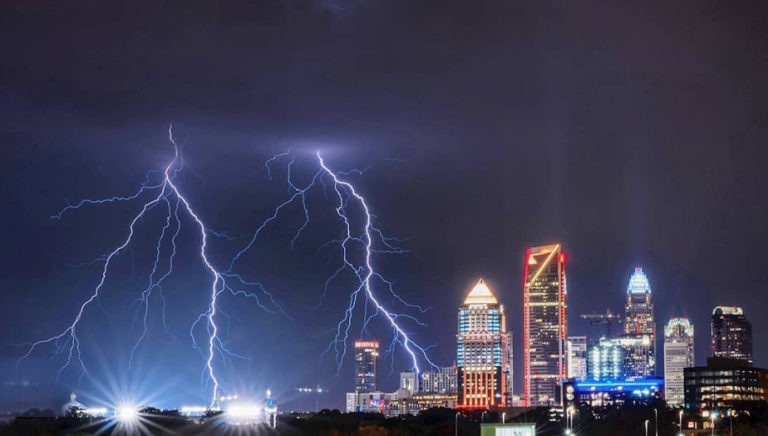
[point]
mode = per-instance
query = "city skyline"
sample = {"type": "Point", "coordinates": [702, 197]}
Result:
{"type": "Point", "coordinates": [633, 135]}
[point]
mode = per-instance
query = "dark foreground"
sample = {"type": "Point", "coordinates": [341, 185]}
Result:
{"type": "Point", "coordinates": [433, 422]}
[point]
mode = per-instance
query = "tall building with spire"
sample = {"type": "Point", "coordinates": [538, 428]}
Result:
{"type": "Point", "coordinates": [639, 336]}
{"type": "Point", "coordinates": [544, 325]}
{"type": "Point", "coordinates": [678, 355]}
{"type": "Point", "coordinates": [482, 359]}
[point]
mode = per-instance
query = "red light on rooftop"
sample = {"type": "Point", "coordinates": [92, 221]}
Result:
{"type": "Point", "coordinates": [562, 257]}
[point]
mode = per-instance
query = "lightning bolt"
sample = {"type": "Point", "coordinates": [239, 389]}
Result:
{"type": "Point", "coordinates": [372, 241]}
{"type": "Point", "coordinates": [165, 191]}
{"type": "Point", "coordinates": [366, 273]}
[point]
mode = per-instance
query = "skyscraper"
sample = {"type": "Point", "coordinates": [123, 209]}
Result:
{"type": "Point", "coordinates": [639, 328]}
{"type": "Point", "coordinates": [605, 360]}
{"type": "Point", "coordinates": [366, 366]}
{"type": "Point", "coordinates": [481, 350]}
{"type": "Point", "coordinates": [678, 355]}
{"type": "Point", "coordinates": [731, 334]}
{"type": "Point", "coordinates": [576, 349]}
{"type": "Point", "coordinates": [508, 365]}
{"type": "Point", "coordinates": [544, 325]}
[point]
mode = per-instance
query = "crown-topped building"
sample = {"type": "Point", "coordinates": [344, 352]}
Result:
{"type": "Point", "coordinates": [482, 357]}
{"type": "Point", "coordinates": [639, 338]}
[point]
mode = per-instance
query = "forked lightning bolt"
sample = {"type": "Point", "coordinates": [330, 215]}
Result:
{"type": "Point", "coordinates": [363, 270]}
{"type": "Point", "coordinates": [168, 193]}
{"type": "Point", "coordinates": [366, 273]}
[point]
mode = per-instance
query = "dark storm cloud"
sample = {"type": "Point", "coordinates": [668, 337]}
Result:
{"type": "Point", "coordinates": [633, 133]}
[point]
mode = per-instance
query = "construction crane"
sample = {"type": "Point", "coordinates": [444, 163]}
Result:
{"type": "Point", "coordinates": [606, 319]}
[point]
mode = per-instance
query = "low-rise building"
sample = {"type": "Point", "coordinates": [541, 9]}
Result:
{"type": "Point", "coordinates": [608, 394]}
{"type": "Point", "coordinates": [725, 384]}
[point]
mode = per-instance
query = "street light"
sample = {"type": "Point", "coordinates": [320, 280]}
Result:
{"type": "Point", "coordinates": [656, 423]}
{"type": "Point", "coordinates": [646, 427]}
{"type": "Point", "coordinates": [730, 415]}
{"type": "Point", "coordinates": [714, 415]}
{"type": "Point", "coordinates": [681, 423]}
{"type": "Point", "coordinates": [456, 424]}
{"type": "Point", "coordinates": [503, 417]}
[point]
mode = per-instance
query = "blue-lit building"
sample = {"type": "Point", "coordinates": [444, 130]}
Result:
{"type": "Point", "coordinates": [608, 394]}
{"type": "Point", "coordinates": [639, 337]}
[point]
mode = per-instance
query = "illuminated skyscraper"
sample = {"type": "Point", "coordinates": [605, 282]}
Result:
{"type": "Point", "coordinates": [576, 350]}
{"type": "Point", "coordinates": [731, 334]}
{"type": "Point", "coordinates": [638, 319]}
{"type": "Point", "coordinates": [678, 355]}
{"type": "Point", "coordinates": [481, 357]}
{"type": "Point", "coordinates": [639, 328]}
{"type": "Point", "coordinates": [366, 366]}
{"type": "Point", "coordinates": [605, 361]}
{"type": "Point", "coordinates": [544, 325]}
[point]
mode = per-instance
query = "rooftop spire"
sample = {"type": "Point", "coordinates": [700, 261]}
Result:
{"type": "Point", "coordinates": [638, 282]}
{"type": "Point", "coordinates": [480, 294]}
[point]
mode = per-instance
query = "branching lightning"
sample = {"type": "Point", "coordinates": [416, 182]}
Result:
{"type": "Point", "coordinates": [167, 192]}
{"type": "Point", "coordinates": [366, 274]}
{"type": "Point", "coordinates": [357, 247]}
{"type": "Point", "coordinates": [363, 271]}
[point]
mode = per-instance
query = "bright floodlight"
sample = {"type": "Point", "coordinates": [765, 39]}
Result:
{"type": "Point", "coordinates": [127, 413]}
{"type": "Point", "coordinates": [243, 414]}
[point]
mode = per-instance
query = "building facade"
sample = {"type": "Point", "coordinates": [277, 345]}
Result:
{"type": "Point", "coordinates": [678, 355]}
{"type": "Point", "coordinates": [366, 366]}
{"type": "Point", "coordinates": [639, 328]}
{"type": "Point", "coordinates": [544, 325]}
{"type": "Point", "coordinates": [409, 381]}
{"type": "Point", "coordinates": [481, 350]}
{"type": "Point", "coordinates": [605, 360]}
{"type": "Point", "coordinates": [731, 334]}
{"type": "Point", "coordinates": [725, 384]}
{"type": "Point", "coordinates": [603, 395]}
{"type": "Point", "coordinates": [576, 349]}
{"type": "Point", "coordinates": [440, 382]}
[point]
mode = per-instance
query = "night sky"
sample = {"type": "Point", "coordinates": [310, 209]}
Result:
{"type": "Point", "coordinates": [633, 134]}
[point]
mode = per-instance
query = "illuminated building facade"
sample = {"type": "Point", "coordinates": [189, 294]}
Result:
{"type": "Point", "coordinates": [639, 328]}
{"type": "Point", "coordinates": [731, 334]}
{"type": "Point", "coordinates": [409, 381]}
{"type": "Point", "coordinates": [608, 394]}
{"type": "Point", "coordinates": [576, 349]}
{"type": "Point", "coordinates": [678, 355]}
{"type": "Point", "coordinates": [725, 384]}
{"type": "Point", "coordinates": [605, 360]}
{"type": "Point", "coordinates": [427, 400]}
{"type": "Point", "coordinates": [639, 356]}
{"type": "Point", "coordinates": [481, 350]}
{"type": "Point", "coordinates": [509, 372]}
{"type": "Point", "coordinates": [544, 325]}
{"type": "Point", "coordinates": [442, 381]}
{"type": "Point", "coordinates": [366, 366]}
